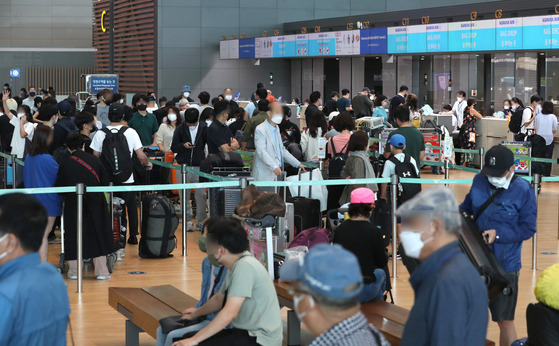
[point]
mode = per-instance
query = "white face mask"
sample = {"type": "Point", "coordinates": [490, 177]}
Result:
{"type": "Point", "coordinates": [186, 94]}
{"type": "Point", "coordinates": [277, 118]}
{"type": "Point", "coordinates": [507, 107]}
{"type": "Point", "coordinates": [5, 253]}
{"type": "Point", "coordinates": [459, 99]}
{"type": "Point", "coordinates": [372, 97]}
{"type": "Point", "coordinates": [514, 107]}
{"type": "Point", "coordinates": [172, 117]}
{"type": "Point", "coordinates": [208, 122]}
{"type": "Point", "coordinates": [228, 97]}
{"type": "Point", "coordinates": [500, 182]}
{"type": "Point", "coordinates": [412, 243]}
{"type": "Point", "coordinates": [539, 108]}
{"type": "Point", "coordinates": [151, 110]}
{"type": "Point", "coordinates": [296, 301]}
{"type": "Point", "coordinates": [193, 128]}
{"type": "Point", "coordinates": [20, 115]}
{"type": "Point", "coordinates": [121, 101]}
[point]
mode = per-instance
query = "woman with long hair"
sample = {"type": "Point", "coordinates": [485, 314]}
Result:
{"type": "Point", "coordinates": [316, 128]}
{"type": "Point", "coordinates": [41, 170]}
{"type": "Point", "coordinates": [468, 129]}
{"type": "Point", "coordinates": [164, 136]}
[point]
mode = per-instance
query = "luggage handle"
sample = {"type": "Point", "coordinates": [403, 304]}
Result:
{"type": "Point", "coordinates": [310, 186]}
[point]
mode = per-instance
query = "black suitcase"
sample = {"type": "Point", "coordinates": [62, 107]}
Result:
{"type": "Point", "coordinates": [481, 256]}
{"type": "Point", "coordinates": [382, 219]}
{"type": "Point", "coordinates": [159, 223]}
{"type": "Point", "coordinates": [307, 211]}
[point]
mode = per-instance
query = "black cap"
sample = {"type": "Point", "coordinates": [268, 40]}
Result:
{"type": "Point", "coordinates": [498, 160]}
{"type": "Point", "coordinates": [221, 106]}
{"type": "Point", "coordinates": [116, 109]}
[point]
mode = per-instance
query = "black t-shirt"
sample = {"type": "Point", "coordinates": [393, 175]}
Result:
{"type": "Point", "coordinates": [363, 240]}
{"type": "Point", "coordinates": [238, 125]}
{"type": "Point", "coordinates": [310, 111]}
{"type": "Point", "coordinates": [330, 106]}
{"type": "Point", "coordinates": [6, 131]}
{"type": "Point", "coordinates": [290, 132]}
{"type": "Point", "coordinates": [218, 134]}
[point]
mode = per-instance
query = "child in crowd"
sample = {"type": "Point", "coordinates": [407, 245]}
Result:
{"type": "Point", "coordinates": [397, 144]}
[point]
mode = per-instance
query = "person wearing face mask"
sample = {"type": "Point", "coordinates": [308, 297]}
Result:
{"type": "Point", "coordinates": [252, 304]}
{"type": "Point", "coordinates": [459, 107]}
{"type": "Point", "coordinates": [314, 103]}
{"type": "Point", "coordinates": [270, 152]}
{"type": "Point", "coordinates": [145, 123]}
{"type": "Point", "coordinates": [185, 94]}
{"type": "Point", "coordinates": [506, 209]}
{"type": "Point", "coordinates": [451, 300]}
{"type": "Point", "coordinates": [189, 141]}
{"type": "Point", "coordinates": [64, 125]}
{"type": "Point", "coordinates": [326, 285]}
{"type": "Point", "coordinates": [164, 135]}
{"type": "Point", "coordinates": [220, 138]}
{"type": "Point", "coordinates": [30, 291]}
{"type": "Point", "coordinates": [507, 108]}
{"type": "Point", "coordinates": [397, 100]}
{"type": "Point", "coordinates": [529, 115]}
{"type": "Point", "coordinates": [228, 96]}
{"type": "Point", "coordinates": [105, 99]}
{"type": "Point", "coordinates": [30, 100]}
{"type": "Point", "coordinates": [85, 122]}
{"type": "Point", "coordinates": [213, 276]}
{"type": "Point", "coordinates": [380, 104]}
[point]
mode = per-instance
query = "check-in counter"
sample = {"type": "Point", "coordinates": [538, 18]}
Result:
{"type": "Point", "coordinates": [243, 104]}
{"type": "Point", "coordinates": [490, 132]}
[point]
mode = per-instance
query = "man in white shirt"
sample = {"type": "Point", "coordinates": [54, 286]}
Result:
{"type": "Point", "coordinates": [260, 94]}
{"type": "Point", "coordinates": [30, 100]}
{"type": "Point", "coordinates": [458, 109]}
{"type": "Point", "coordinates": [529, 114]}
{"type": "Point", "coordinates": [116, 113]}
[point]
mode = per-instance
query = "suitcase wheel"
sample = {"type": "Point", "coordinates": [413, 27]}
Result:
{"type": "Point", "coordinates": [61, 264]}
{"type": "Point", "coordinates": [111, 258]}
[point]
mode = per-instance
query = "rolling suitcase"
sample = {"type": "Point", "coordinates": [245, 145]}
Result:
{"type": "Point", "coordinates": [481, 256]}
{"type": "Point", "coordinates": [307, 211]}
{"type": "Point", "coordinates": [119, 230]}
{"type": "Point", "coordinates": [382, 219]}
{"type": "Point", "coordinates": [159, 223]}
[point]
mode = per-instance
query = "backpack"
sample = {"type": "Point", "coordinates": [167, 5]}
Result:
{"type": "Point", "coordinates": [405, 169]}
{"type": "Point", "coordinates": [255, 112]}
{"type": "Point", "coordinates": [515, 123]}
{"type": "Point", "coordinates": [115, 155]}
{"type": "Point", "coordinates": [539, 149]}
{"type": "Point", "coordinates": [159, 223]}
{"type": "Point", "coordinates": [311, 237]}
{"type": "Point", "coordinates": [337, 162]}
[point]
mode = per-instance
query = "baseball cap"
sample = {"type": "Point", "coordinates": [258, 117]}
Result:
{"type": "Point", "coordinates": [397, 141]}
{"type": "Point", "coordinates": [116, 109]}
{"type": "Point", "coordinates": [64, 107]}
{"type": "Point", "coordinates": [327, 270]}
{"type": "Point", "coordinates": [186, 88]}
{"type": "Point", "coordinates": [221, 106]}
{"type": "Point", "coordinates": [497, 161]}
{"type": "Point", "coordinates": [362, 195]}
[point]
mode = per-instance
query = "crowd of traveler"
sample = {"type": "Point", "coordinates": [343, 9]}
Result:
{"type": "Point", "coordinates": [62, 146]}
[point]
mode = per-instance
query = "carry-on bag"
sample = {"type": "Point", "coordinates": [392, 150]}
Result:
{"type": "Point", "coordinates": [307, 210]}
{"type": "Point", "coordinates": [159, 222]}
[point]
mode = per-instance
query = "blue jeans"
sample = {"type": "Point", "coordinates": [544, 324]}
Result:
{"type": "Point", "coordinates": [167, 339]}
{"type": "Point", "coordinates": [374, 290]}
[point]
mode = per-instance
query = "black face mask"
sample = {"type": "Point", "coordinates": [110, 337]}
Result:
{"type": "Point", "coordinates": [142, 107]}
{"type": "Point", "coordinates": [32, 94]}
{"type": "Point", "coordinates": [94, 128]}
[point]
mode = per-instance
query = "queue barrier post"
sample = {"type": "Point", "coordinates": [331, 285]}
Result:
{"type": "Point", "coordinates": [80, 191]}
{"type": "Point", "coordinates": [481, 157]}
{"type": "Point", "coordinates": [5, 177]}
{"type": "Point", "coordinates": [446, 172]}
{"type": "Point", "coordinates": [530, 163]}
{"type": "Point", "coordinates": [394, 199]}
{"type": "Point", "coordinates": [14, 172]}
{"type": "Point", "coordinates": [183, 210]}
{"type": "Point", "coordinates": [537, 182]}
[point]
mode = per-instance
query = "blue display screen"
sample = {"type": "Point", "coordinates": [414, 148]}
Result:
{"type": "Point", "coordinates": [437, 37]}
{"type": "Point", "coordinates": [247, 48]}
{"type": "Point", "coordinates": [374, 41]}
{"type": "Point", "coordinates": [397, 40]}
{"type": "Point", "coordinates": [417, 39]}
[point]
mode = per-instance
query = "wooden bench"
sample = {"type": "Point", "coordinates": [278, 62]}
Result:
{"type": "Point", "coordinates": [388, 318]}
{"type": "Point", "coordinates": [144, 307]}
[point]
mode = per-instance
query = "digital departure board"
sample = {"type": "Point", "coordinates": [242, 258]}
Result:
{"type": "Point", "coordinates": [527, 33]}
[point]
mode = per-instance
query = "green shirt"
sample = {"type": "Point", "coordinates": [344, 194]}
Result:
{"type": "Point", "coordinates": [260, 312]}
{"type": "Point", "coordinates": [251, 125]}
{"type": "Point", "coordinates": [146, 126]}
{"type": "Point", "coordinates": [415, 143]}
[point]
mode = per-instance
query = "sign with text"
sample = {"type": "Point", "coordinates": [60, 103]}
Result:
{"type": "Point", "coordinates": [97, 82]}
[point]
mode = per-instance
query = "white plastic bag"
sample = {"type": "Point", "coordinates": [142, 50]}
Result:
{"type": "Point", "coordinates": [319, 192]}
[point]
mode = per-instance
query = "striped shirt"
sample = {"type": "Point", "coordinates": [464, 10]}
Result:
{"type": "Point", "coordinates": [351, 332]}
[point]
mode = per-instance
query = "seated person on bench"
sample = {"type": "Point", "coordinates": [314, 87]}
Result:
{"type": "Point", "coordinates": [359, 236]}
{"type": "Point", "coordinates": [247, 298]}
{"type": "Point", "coordinates": [326, 286]}
{"type": "Point", "coordinates": [213, 276]}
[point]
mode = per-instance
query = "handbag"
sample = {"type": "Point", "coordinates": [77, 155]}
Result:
{"type": "Point", "coordinates": [168, 324]}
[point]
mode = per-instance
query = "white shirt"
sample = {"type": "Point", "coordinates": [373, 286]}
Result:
{"type": "Point", "coordinates": [18, 143]}
{"type": "Point", "coordinates": [526, 116]}
{"type": "Point", "coordinates": [193, 133]}
{"type": "Point", "coordinates": [132, 137]}
{"type": "Point", "coordinates": [458, 110]}
{"type": "Point", "coordinates": [545, 125]}
{"type": "Point", "coordinates": [29, 102]}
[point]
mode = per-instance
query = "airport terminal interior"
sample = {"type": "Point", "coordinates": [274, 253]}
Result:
{"type": "Point", "coordinates": [279, 172]}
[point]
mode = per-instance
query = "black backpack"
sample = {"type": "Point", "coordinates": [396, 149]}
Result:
{"type": "Point", "coordinates": [337, 162]}
{"type": "Point", "coordinates": [159, 223]}
{"type": "Point", "coordinates": [115, 155]}
{"type": "Point", "coordinates": [405, 169]}
{"type": "Point", "coordinates": [515, 123]}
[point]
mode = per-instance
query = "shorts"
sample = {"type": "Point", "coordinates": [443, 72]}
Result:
{"type": "Point", "coordinates": [504, 307]}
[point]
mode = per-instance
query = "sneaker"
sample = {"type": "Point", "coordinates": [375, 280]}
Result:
{"type": "Point", "coordinates": [199, 226]}
{"type": "Point", "coordinates": [133, 240]}
{"type": "Point", "coordinates": [73, 276]}
{"type": "Point", "coordinates": [103, 277]}
{"type": "Point", "coordinates": [121, 254]}
{"type": "Point", "coordinates": [190, 226]}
